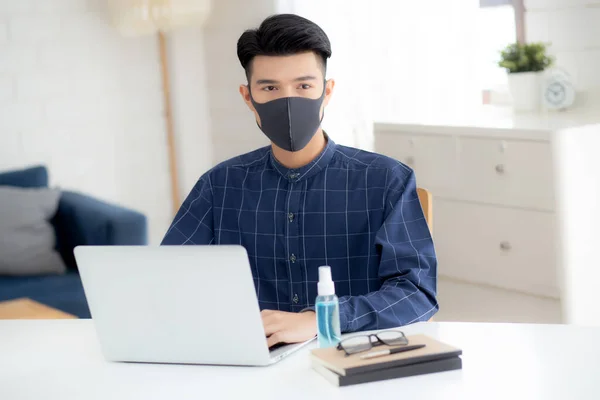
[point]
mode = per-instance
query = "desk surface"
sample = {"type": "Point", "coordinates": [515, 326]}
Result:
{"type": "Point", "coordinates": [61, 360]}
{"type": "Point", "coordinates": [25, 308]}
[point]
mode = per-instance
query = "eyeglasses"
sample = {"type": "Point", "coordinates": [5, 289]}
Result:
{"type": "Point", "coordinates": [358, 344]}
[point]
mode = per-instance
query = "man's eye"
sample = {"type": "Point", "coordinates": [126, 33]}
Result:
{"type": "Point", "coordinates": [269, 88]}
{"type": "Point", "coordinates": [305, 86]}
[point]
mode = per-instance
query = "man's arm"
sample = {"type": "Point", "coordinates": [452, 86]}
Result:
{"type": "Point", "coordinates": [408, 265]}
{"type": "Point", "coordinates": [193, 223]}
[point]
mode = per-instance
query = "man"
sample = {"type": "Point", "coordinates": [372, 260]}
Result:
{"type": "Point", "coordinates": [304, 201]}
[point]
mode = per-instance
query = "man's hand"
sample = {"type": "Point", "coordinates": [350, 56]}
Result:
{"type": "Point", "coordinates": [286, 327]}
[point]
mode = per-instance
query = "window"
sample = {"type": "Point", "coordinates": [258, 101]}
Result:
{"type": "Point", "coordinates": [496, 28]}
{"type": "Point", "coordinates": [409, 60]}
{"type": "Point", "coordinates": [438, 58]}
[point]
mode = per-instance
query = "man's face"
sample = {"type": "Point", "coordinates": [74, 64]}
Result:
{"type": "Point", "coordinates": [275, 77]}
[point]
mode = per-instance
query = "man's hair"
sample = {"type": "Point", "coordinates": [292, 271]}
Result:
{"type": "Point", "coordinates": [283, 35]}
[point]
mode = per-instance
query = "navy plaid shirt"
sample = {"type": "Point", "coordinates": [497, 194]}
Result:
{"type": "Point", "coordinates": [356, 211]}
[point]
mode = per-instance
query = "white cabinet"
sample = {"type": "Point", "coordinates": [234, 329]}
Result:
{"type": "Point", "coordinates": [503, 184]}
{"type": "Point", "coordinates": [424, 153]}
{"type": "Point", "coordinates": [506, 172]}
{"type": "Point", "coordinates": [495, 227]}
{"type": "Point", "coordinates": [493, 205]}
{"type": "Point", "coordinates": [497, 246]}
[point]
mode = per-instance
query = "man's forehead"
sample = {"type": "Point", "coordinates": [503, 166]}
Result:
{"type": "Point", "coordinates": [286, 68]}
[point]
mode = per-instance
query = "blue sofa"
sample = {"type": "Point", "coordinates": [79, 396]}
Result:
{"type": "Point", "coordinates": [79, 220]}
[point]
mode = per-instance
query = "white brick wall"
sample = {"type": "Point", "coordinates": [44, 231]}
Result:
{"type": "Point", "coordinates": [3, 33]}
{"type": "Point", "coordinates": [86, 102]}
{"type": "Point", "coordinates": [6, 89]}
{"type": "Point", "coordinates": [34, 28]}
{"type": "Point", "coordinates": [190, 105]}
{"type": "Point", "coordinates": [15, 58]}
{"type": "Point", "coordinates": [16, 117]}
{"type": "Point", "coordinates": [573, 29]}
{"type": "Point", "coordinates": [11, 8]}
{"type": "Point", "coordinates": [233, 126]}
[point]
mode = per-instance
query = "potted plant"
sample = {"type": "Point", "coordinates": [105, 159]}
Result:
{"type": "Point", "coordinates": [525, 63]}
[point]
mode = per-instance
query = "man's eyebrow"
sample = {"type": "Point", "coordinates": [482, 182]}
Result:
{"type": "Point", "coordinates": [274, 82]}
{"type": "Point", "coordinates": [306, 78]}
{"type": "Point", "coordinates": [266, 82]}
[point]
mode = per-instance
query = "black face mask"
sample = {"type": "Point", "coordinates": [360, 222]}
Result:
{"type": "Point", "coordinates": [290, 122]}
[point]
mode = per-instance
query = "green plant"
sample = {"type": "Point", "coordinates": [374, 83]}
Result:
{"type": "Point", "coordinates": [528, 57]}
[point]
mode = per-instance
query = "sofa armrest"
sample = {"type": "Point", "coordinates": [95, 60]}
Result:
{"type": "Point", "coordinates": [84, 220]}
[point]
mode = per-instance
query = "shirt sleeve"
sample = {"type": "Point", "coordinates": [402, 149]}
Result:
{"type": "Point", "coordinates": [193, 223]}
{"type": "Point", "coordinates": [407, 268]}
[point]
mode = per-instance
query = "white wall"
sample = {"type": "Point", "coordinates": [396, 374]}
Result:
{"type": "Point", "coordinates": [578, 194]}
{"type": "Point", "coordinates": [573, 29]}
{"type": "Point", "coordinates": [234, 129]}
{"type": "Point", "coordinates": [86, 102]}
{"type": "Point", "coordinates": [191, 118]}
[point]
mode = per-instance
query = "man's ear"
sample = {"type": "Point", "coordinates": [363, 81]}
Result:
{"type": "Point", "coordinates": [245, 93]}
{"type": "Point", "coordinates": [329, 87]}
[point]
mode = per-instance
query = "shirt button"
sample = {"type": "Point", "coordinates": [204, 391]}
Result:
{"type": "Point", "coordinates": [293, 258]}
{"type": "Point", "coordinates": [295, 299]}
{"type": "Point", "coordinates": [291, 217]}
{"type": "Point", "coordinates": [294, 176]}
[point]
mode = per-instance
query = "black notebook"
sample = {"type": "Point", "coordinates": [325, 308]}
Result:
{"type": "Point", "coordinates": [422, 368]}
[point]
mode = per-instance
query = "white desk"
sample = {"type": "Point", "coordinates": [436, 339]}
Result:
{"type": "Point", "coordinates": [61, 360]}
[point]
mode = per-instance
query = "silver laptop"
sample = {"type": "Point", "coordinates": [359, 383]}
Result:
{"type": "Point", "coordinates": [176, 304]}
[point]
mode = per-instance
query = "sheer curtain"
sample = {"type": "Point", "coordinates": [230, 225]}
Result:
{"type": "Point", "coordinates": [428, 58]}
{"type": "Point", "coordinates": [348, 118]}
{"type": "Point", "coordinates": [396, 60]}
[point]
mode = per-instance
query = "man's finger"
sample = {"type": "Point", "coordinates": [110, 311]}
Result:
{"type": "Point", "coordinates": [274, 339]}
{"type": "Point", "coordinates": [271, 323]}
{"type": "Point", "coordinates": [272, 315]}
{"type": "Point", "coordinates": [271, 328]}
{"type": "Point", "coordinates": [271, 318]}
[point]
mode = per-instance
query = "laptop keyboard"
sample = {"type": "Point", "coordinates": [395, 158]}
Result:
{"type": "Point", "coordinates": [277, 346]}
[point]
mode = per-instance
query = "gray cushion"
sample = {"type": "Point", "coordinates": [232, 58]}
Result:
{"type": "Point", "coordinates": [27, 239]}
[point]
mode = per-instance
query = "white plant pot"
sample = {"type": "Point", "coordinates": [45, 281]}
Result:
{"type": "Point", "coordinates": [525, 89]}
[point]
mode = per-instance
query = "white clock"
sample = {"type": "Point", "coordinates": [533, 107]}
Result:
{"type": "Point", "coordinates": [558, 91]}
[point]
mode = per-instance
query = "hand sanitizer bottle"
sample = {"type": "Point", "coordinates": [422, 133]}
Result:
{"type": "Point", "coordinates": [328, 310]}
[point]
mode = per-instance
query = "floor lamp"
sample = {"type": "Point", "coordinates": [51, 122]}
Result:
{"type": "Point", "coordinates": [158, 17]}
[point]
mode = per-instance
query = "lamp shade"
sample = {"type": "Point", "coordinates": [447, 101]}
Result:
{"type": "Point", "coordinates": [144, 17]}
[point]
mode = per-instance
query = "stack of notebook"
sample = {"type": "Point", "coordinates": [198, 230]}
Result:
{"type": "Point", "coordinates": [342, 370]}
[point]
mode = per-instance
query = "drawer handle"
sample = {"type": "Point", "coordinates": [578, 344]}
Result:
{"type": "Point", "coordinates": [410, 160]}
{"type": "Point", "coordinates": [505, 246]}
{"type": "Point", "coordinates": [500, 168]}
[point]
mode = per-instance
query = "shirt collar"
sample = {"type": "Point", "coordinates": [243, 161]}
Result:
{"type": "Point", "coordinates": [311, 169]}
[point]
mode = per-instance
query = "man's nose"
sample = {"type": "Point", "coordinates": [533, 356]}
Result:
{"type": "Point", "coordinates": [288, 91]}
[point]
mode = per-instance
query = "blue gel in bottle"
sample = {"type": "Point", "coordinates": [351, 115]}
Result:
{"type": "Point", "coordinates": [327, 308]}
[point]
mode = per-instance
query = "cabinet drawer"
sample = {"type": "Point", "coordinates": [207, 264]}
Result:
{"type": "Point", "coordinates": [433, 158]}
{"type": "Point", "coordinates": [506, 172]}
{"type": "Point", "coordinates": [506, 248]}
